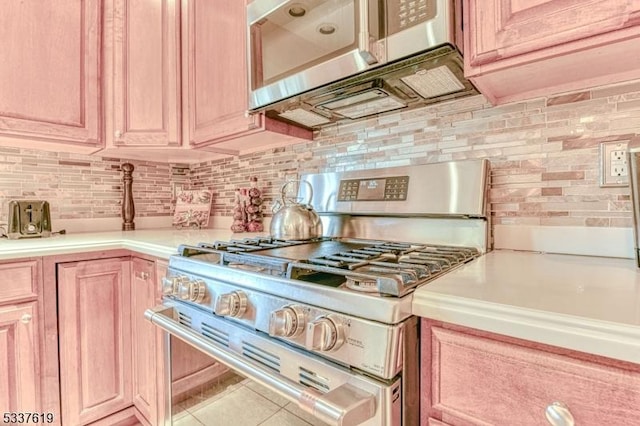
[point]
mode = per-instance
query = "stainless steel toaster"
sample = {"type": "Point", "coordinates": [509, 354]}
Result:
{"type": "Point", "coordinates": [29, 219]}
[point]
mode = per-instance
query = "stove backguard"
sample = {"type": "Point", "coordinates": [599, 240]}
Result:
{"type": "Point", "coordinates": [456, 188]}
{"type": "Point", "coordinates": [442, 203]}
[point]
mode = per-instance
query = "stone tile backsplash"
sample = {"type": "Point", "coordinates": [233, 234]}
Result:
{"type": "Point", "coordinates": [83, 186]}
{"type": "Point", "coordinates": [544, 155]}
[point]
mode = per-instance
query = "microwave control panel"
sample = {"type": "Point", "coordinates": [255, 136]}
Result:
{"type": "Point", "coordinates": [402, 14]}
{"type": "Point", "coordinates": [379, 189]}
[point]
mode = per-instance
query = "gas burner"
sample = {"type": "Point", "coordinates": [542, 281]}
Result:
{"type": "Point", "coordinates": [370, 266]}
{"type": "Point", "coordinates": [252, 244]}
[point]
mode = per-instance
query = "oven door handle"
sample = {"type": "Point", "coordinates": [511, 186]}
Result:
{"type": "Point", "coordinates": [344, 405]}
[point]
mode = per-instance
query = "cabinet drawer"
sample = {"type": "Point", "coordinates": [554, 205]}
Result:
{"type": "Point", "coordinates": [21, 280]}
{"type": "Point", "coordinates": [481, 381]}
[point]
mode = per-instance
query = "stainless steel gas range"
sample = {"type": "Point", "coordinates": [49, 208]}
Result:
{"type": "Point", "coordinates": [326, 323]}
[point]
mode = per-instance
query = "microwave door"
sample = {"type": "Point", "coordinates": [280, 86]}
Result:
{"type": "Point", "coordinates": [296, 46]}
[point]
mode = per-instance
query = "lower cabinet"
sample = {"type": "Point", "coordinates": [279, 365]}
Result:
{"type": "Point", "coordinates": [111, 359]}
{"type": "Point", "coordinates": [94, 331]}
{"type": "Point", "coordinates": [19, 348]}
{"type": "Point", "coordinates": [20, 337]}
{"type": "Point", "coordinates": [147, 345]}
{"type": "Point", "coordinates": [471, 377]}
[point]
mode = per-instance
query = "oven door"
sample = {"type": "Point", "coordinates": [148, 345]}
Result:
{"type": "Point", "coordinates": [297, 45]}
{"type": "Point", "coordinates": [252, 379]}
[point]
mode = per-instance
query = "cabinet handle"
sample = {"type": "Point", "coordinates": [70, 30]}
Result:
{"type": "Point", "coordinates": [142, 275]}
{"type": "Point", "coordinates": [26, 318]}
{"type": "Point", "coordinates": [117, 134]}
{"type": "Point", "coordinates": [558, 414]}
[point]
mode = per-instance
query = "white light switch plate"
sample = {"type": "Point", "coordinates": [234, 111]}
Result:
{"type": "Point", "coordinates": [614, 166]}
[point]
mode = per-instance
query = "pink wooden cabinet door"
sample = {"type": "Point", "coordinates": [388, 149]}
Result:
{"type": "Point", "coordinates": [50, 73]}
{"type": "Point", "coordinates": [94, 321]}
{"type": "Point", "coordinates": [517, 50]}
{"type": "Point", "coordinates": [145, 347]}
{"type": "Point", "coordinates": [145, 73]}
{"type": "Point", "coordinates": [19, 369]}
{"type": "Point", "coordinates": [470, 378]}
{"type": "Point", "coordinates": [507, 28]}
{"type": "Point", "coordinates": [215, 95]}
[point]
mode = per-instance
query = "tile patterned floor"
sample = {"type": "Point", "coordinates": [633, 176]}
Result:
{"type": "Point", "coordinates": [240, 402]}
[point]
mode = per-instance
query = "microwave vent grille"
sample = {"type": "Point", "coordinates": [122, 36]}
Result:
{"type": "Point", "coordinates": [434, 82]}
{"type": "Point", "coordinates": [304, 117]}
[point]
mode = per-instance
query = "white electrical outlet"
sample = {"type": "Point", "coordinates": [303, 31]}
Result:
{"type": "Point", "coordinates": [618, 161]}
{"type": "Point", "coordinates": [614, 167]}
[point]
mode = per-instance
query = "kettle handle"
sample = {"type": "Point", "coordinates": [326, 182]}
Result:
{"type": "Point", "coordinates": [284, 187]}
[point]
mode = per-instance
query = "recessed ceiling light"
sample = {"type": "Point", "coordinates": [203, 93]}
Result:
{"type": "Point", "coordinates": [326, 29]}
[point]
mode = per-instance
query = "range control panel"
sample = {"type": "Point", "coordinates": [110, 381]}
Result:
{"type": "Point", "coordinates": [381, 189]}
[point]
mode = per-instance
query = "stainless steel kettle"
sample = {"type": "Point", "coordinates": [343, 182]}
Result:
{"type": "Point", "coordinates": [293, 220]}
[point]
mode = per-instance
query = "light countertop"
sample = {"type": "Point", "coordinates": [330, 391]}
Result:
{"type": "Point", "coordinates": [589, 304]}
{"type": "Point", "coordinates": [155, 242]}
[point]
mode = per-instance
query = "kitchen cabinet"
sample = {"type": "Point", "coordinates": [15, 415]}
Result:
{"type": "Point", "coordinates": [19, 389]}
{"type": "Point", "coordinates": [51, 96]}
{"type": "Point", "coordinates": [144, 74]}
{"type": "Point", "coordinates": [94, 332]}
{"type": "Point", "coordinates": [214, 86]}
{"type": "Point", "coordinates": [20, 336]}
{"type": "Point", "coordinates": [142, 81]}
{"type": "Point", "coordinates": [471, 377]}
{"type": "Point", "coordinates": [148, 365]}
{"type": "Point", "coordinates": [175, 80]}
{"type": "Point", "coordinates": [517, 50]}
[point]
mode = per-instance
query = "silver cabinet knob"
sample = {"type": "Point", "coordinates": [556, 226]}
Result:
{"type": "Point", "coordinates": [232, 304]}
{"type": "Point", "coordinates": [142, 275]}
{"type": "Point", "coordinates": [558, 414]}
{"type": "Point", "coordinates": [325, 334]}
{"type": "Point", "coordinates": [287, 322]}
{"type": "Point", "coordinates": [26, 318]}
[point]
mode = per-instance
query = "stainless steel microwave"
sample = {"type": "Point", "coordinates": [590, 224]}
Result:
{"type": "Point", "coordinates": [314, 62]}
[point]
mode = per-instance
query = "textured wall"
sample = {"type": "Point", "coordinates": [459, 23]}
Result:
{"type": "Point", "coordinates": [82, 186]}
{"type": "Point", "coordinates": [544, 153]}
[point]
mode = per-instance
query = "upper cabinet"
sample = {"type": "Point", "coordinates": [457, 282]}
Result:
{"type": "Point", "coordinates": [142, 81]}
{"type": "Point", "coordinates": [50, 86]}
{"type": "Point", "coordinates": [215, 80]}
{"type": "Point", "coordinates": [176, 81]}
{"type": "Point", "coordinates": [144, 74]}
{"type": "Point", "coordinates": [215, 70]}
{"type": "Point", "coordinates": [518, 49]}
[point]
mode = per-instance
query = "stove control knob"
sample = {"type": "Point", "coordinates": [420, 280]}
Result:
{"type": "Point", "coordinates": [325, 334]}
{"type": "Point", "coordinates": [183, 288]}
{"type": "Point", "coordinates": [197, 291]}
{"type": "Point", "coordinates": [287, 322]}
{"type": "Point", "coordinates": [171, 285]}
{"type": "Point", "coordinates": [232, 304]}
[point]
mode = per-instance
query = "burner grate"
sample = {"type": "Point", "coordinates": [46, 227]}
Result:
{"type": "Point", "coordinates": [251, 244]}
{"type": "Point", "coordinates": [386, 268]}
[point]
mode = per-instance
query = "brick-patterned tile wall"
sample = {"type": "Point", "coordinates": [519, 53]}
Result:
{"type": "Point", "coordinates": [544, 154]}
{"type": "Point", "coordinates": [82, 186]}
